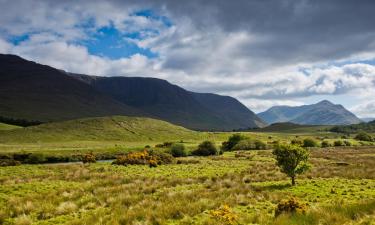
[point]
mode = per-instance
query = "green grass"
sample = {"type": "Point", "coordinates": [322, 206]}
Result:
{"type": "Point", "coordinates": [339, 189]}
{"type": "Point", "coordinates": [187, 193]}
{"type": "Point", "coordinates": [4, 126]}
{"type": "Point", "coordinates": [116, 128]}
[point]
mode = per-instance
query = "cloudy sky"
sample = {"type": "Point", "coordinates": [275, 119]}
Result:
{"type": "Point", "coordinates": [263, 52]}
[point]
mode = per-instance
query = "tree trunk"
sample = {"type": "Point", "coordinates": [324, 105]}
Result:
{"type": "Point", "coordinates": [293, 181]}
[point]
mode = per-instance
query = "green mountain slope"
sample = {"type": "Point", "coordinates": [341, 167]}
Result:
{"type": "Point", "coordinates": [4, 126]}
{"type": "Point", "coordinates": [163, 100]}
{"type": "Point", "coordinates": [36, 92]}
{"type": "Point", "coordinates": [114, 128]}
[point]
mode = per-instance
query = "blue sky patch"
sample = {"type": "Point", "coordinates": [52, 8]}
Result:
{"type": "Point", "coordinates": [111, 43]}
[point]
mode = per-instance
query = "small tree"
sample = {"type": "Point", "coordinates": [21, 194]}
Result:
{"type": "Point", "coordinates": [309, 142]}
{"type": "Point", "coordinates": [292, 160]}
{"type": "Point", "coordinates": [205, 148]}
{"type": "Point", "coordinates": [178, 150]}
{"type": "Point", "coordinates": [232, 141]}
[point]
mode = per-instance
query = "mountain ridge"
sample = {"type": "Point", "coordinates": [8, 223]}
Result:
{"type": "Point", "coordinates": [38, 92]}
{"type": "Point", "coordinates": [321, 113]}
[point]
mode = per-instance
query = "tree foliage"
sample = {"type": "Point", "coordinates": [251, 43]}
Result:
{"type": "Point", "coordinates": [232, 141]}
{"type": "Point", "coordinates": [292, 160]}
{"type": "Point", "coordinates": [205, 148]}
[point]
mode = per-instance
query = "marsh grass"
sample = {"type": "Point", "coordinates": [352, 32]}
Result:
{"type": "Point", "coordinates": [186, 193]}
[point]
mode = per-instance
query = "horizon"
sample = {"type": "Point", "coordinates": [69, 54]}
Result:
{"type": "Point", "coordinates": [308, 51]}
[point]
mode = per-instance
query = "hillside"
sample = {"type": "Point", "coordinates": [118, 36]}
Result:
{"type": "Point", "coordinates": [172, 103]}
{"type": "Point", "coordinates": [36, 92]}
{"type": "Point", "coordinates": [115, 128]}
{"type": "Point", "coordinates": [322, 113]}
{"type": "Point", "coordinates": [355, 128]}
{"type": "Point", "coordinates": [4, 126]}
{"type": "Point", "coordinates": [288, 127]}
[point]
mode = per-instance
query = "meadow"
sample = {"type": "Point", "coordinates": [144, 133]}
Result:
{"type": "Point", "coordinates": [237, 187]}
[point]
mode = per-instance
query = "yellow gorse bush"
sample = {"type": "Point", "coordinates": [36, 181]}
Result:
{"type": "Point", "coordinates": [224, 214]}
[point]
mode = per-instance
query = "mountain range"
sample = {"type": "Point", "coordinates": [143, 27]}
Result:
{"type": "Point", "coordinates": [32, 91]}
{"type": "Point", "coordinates": [321, 113]}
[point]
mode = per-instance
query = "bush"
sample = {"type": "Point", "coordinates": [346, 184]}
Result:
{"type": "Point", "coordinates": [146, 157]}
{"type": "Point", "coordinates": [290, 206]}
{"type": "Point", "coordinates": [205, 148]}
{"type": "Point", "coordinates": [9, 162]}
{"type": "Point", "coordinates": [36, 158]}
{"type": "Point", "coordinates": [325, 144]}
{"type": "Point", "coordinates": [248, 144]}
{"type": "Point", "coordinates": [338, 143]}
{"type": "Point", "coordinates": [178, 150]}
{"type": "Point", "coordinates": [297, 142]}
{"type": "Point", "coordinates": [308, 142]}
{"type": "Point", "coordinates": [232, 141]}
{"type": "Point", "coordinates": [260, 145]}
{"type": "Point", "coordinates": [164, 145]}
{"type": "Point", "coordinates": [363, 136]}
{"type": "Point", "coordinates": [347, 143]}
{"type": "Point", "coordinates": [89, 158]}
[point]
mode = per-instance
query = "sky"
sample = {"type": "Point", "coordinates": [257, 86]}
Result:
{"type": "Point", "coordinates": [262, 52]}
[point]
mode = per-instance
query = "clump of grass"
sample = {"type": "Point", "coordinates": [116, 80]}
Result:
{"type": "Point", "coordinates": [66, 208]}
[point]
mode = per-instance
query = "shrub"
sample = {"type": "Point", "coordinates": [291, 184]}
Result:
{"type": "Point", "coordinates": [205, 148]}
{"type": "Point", "coordinates": [146, 157]}
{"type": "Point", "coordinates": [36, 158]}
{"type": "Point", "coordinates": [162, 157]}
{"type": "Point", "coordinates": [363, 136]}
{"type": "Point", "coordinates": [224, 214]}
{"type": "Point", "coordinates": [290, 206]}
{"type": "Point", "coordinates": [9, 162]}
{"type": "Point", "coordinates": [292, 160]}
{"type": "Point", "coordinates": [232, 141]}
{"type": "Point", "coordinates": [246, 144]}
{"type": "Point", "coordinates": [260, 145]}
{"type": "Point", "coordinates": [164, 145]}
{"type": "Point", "coordinates": [89, 158]}
{"type": "Point", "coordinates": [338, 143]}
{"type": "Point", "coordinates": [347, 143]}
{"type": "Point", "coordinates": [309, 142]}
{"type": "Point", "coordinates": [297, 142]}
{"type": "Point", "coordinates": [178, 150]}
{"type": "Point", "coordinates": [325, 144]}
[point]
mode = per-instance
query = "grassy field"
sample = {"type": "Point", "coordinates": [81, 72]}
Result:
{"type": "Point", "coordinates": [235, 188]}
{"type": "Point", "coordinates": [249, 187]}
{"type": "Point", "coordinates": [4, 126]}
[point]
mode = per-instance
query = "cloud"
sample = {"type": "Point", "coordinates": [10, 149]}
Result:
{"type": "Point", "coordinates": [365, 110]}
{"type": "Point", "coordinates": [262, 52]}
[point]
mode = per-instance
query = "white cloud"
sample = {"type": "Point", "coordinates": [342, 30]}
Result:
{"type": "Point", "coordinates": [248, 60]}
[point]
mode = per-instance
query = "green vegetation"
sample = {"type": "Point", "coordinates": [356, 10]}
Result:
{"type": "Point", "coordinates": [355, 128]}
{"type": "Point", "coordinates": [4, 126]}
{"type": "Point", "coordinates": [146, 185]}
{"type": "Point", "coordinates": [363, 136]}
{"type": "Point", "coordinates": [115, 128]}
{"type": "Point", "coordinates": [206, 148]}
{"type": "Point", "coordinates": [309, 142]}
{"type": "Point", "coordinates": [232, 141]}
{"type": "Point", "coordinates": [212, 191]}
{"type": "Point", "coordinates": [178, 150]}
{"type": "Point", "coordinates": [292, 160]}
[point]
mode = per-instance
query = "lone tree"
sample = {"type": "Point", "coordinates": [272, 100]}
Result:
{"type": "Point", "coordinates": [292, 160]}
